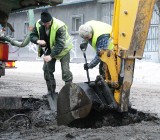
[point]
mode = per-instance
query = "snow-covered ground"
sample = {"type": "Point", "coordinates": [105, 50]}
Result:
{"type": "Point", "coordinates": [145, 72]}
{"type": "Point", "coordinates": [27, 80]}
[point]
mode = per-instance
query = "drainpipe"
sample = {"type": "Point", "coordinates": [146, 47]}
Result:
{"type": "Point", "coordinates": [26, 41]}
{"type": "Point", "coordinates": [158, 43]}
{"type": "Point", "coordinates": [158, 5]}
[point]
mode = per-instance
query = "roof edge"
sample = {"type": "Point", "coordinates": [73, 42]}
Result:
{"type": "Point", "coordinates": [75, 2]}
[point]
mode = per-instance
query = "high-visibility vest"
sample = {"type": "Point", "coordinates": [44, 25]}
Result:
{"type": "Point", "coordinates": [100, 28]}
{"type": "Point", "coordinates": [55, 26]}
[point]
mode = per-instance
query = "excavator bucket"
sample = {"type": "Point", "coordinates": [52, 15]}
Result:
{"type": "Point", "coordinates": [74, 102]}
{"type": "Point", "coordinates": [77, 100]}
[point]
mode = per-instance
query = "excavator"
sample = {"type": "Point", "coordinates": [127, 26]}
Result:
{"type": "Point", "coordinates": [131, 21]}
{"type": "Point", "coordinates": [76, 101]}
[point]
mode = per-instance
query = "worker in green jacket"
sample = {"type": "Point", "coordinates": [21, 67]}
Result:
{"type": "Point", "coordinates": [55, 43]}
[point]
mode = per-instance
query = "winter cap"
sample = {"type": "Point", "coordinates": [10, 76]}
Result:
{"type": "Point", "coordinates": [85, 30]}
{"type": "Point", "coordinates": [45, 17]}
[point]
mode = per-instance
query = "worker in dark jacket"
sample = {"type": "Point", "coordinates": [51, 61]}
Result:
{"type": "Point", "coordinates": [55, 43]}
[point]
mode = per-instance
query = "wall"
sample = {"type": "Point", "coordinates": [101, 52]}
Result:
{"type": "Point", "coordinates": [152, 45]}
{"type": "Point", "coordinates": [64, 13]}
{"type": "Point", "coordinates": [89, 10]}
{"type": "Point", "coordinates": [151, 52]}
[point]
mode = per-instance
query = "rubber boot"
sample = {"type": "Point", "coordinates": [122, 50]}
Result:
{"type": "Point", "coordinates": [51, 86]}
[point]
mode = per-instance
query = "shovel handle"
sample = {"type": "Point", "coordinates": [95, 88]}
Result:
{"type": "Point", "coordinates": [84, 54]}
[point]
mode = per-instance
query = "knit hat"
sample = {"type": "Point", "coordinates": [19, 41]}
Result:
{"type": "Point", "coordinates": [46, 17]}
{"type": "Point", "coordinates": [85, 30]}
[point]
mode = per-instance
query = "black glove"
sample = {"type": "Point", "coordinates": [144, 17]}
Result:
{"type": "Point", "coordinates": [86, 66]}
{"type": "Point", "coordinates": [83, 46]}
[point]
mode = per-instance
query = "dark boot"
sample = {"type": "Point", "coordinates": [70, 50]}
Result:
{"type": "Point", "coordinates": [51, 86]}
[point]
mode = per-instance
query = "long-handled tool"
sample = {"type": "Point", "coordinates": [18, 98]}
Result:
{"type": "Point", "coordinates": [83, 47]}
{"type": "Point", "coordinates": [52, 98]}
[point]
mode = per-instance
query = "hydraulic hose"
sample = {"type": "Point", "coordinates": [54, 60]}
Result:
{"type": "Point", "coordinates": [26, 41]}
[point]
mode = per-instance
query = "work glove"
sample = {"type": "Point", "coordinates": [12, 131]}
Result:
{"type": "Point", "coordinates": [83, 46]}
{"type": "Point", "coordinates": [86, 66]}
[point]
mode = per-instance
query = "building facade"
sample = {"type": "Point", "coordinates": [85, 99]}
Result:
{"type": "Point", "coordinates": [74, 13]}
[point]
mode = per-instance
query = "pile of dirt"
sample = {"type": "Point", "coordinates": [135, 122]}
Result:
{"type": "Point", "coordinates": [27, 117]}
{"type": "Point", "coordinates": [35, 113]}
{"type": "Point", "coordinates": [113, 118]}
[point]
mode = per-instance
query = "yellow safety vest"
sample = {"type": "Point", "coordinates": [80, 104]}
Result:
{"type": "Point", "coordinates": [55, 26]}
{"type": "Point", "coordinates": [100, 28]}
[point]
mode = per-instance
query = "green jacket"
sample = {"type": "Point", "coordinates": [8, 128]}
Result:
{"type": "Point", "coordinates": [59, 40]}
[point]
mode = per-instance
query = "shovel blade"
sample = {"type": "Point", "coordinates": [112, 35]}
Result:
{"type": "Point", "coordinates": [52, 102]}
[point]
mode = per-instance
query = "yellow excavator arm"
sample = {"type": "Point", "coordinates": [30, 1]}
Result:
{"type": "Point", "coordinates": [131, 21]}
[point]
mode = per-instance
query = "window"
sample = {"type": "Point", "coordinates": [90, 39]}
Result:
{"type": "Point", "coordinates": [9, 28]}
{"type": "Point", "coordinates": [26, 26]}
{"type": "Point", "coordinates": [77, 20]}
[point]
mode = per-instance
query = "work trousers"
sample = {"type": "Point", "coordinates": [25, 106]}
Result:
{"type": "Point", "coordinates": [49, 69]}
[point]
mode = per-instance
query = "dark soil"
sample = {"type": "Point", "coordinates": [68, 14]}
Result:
{"type": "Point", "coordinates": [35, 113]}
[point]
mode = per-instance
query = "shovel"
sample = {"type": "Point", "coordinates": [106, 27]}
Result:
{"type": "Point", "coordinates": [83, 47]}
{"type": "Point", "coordinates": [52, 98]}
